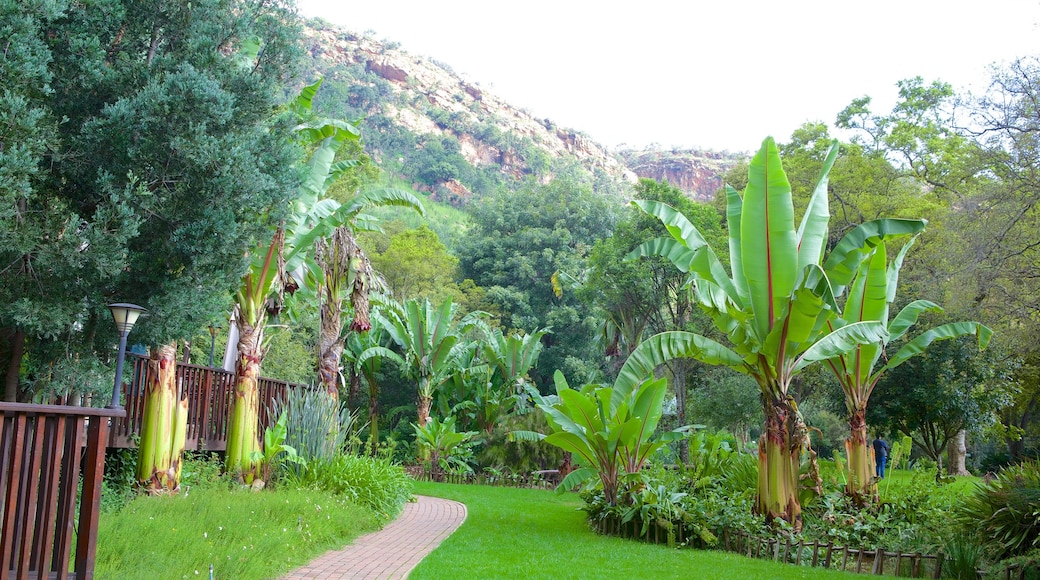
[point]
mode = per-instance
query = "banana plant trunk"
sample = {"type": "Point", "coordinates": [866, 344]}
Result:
{"type": "Point", "coordinates": [862, 485]}
{"type": "Point", "coordinates": [424, 402]}
{"type": "Point", "coordinates": [779, 457]}
{"type": "Point", "coordinates": [330, 346]}
{"type": "Point", "coordinates": [373, 416]}
{"type": "Point", "coordinates": [164, 425]}
{"type": "Point", "coordinates": [243, 429]}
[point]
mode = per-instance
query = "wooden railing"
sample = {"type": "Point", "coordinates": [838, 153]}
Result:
{"type": "Point", "coordinates": [44, 451]}
{"type": "Point", "coordinates": [209, 392]}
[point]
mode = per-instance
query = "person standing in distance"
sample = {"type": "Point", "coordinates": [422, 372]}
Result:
{"type": "Point", "coordinates": [880, 455]}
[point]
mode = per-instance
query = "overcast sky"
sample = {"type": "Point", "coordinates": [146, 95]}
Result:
{"type": "Point", "coordinates": [718, 75]}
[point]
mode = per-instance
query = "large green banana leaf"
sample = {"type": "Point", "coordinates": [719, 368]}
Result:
{"type": "Point", "coordinates": [812, 232]}
{"type": "Point", "coordinates": [944, 332]}
{"type": "Point", "coordinates": [841, 341]}
{"type": "Point", "coordinates": [661, 348]}
{"type": "Point", "coordinates": [769, 248]}
{"type": "Point", "coordinates": [843, 261]}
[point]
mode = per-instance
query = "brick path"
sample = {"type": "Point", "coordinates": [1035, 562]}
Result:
{"type": "Point", "coordinates": [393, 551]}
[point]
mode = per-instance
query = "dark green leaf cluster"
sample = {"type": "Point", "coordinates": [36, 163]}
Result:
{"type": "Point", "coordinates": [146, 160]}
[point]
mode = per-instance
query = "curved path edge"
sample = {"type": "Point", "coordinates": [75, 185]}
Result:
{"type": "Point", "coordinates": [393, 551]}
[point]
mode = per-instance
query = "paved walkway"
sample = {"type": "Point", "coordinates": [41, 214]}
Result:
{"type": "Point", "coordinates": [393, 551]}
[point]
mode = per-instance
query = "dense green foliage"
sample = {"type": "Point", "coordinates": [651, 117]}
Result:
{"type": "Point", "coordinates": [158, 110]}
{"type": "Point", "coordinates": [517, 243]}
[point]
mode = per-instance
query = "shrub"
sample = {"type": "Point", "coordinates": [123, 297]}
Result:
{"type": "Point", "coordinates": [119, 479]}
{"type": "Point", "coordinates": [519, 455]}
{"type": "Point", "coordinates": [372, 482]}
{"type": "Point", "coordinates": [446, 449]}
{"type": "Point", "coordinates": [1005, 512]}
{"type": "Point", "coordinates": [317, 427]}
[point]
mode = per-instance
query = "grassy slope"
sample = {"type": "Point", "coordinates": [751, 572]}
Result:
{"type": "Point", "coordinates": [516, 533]}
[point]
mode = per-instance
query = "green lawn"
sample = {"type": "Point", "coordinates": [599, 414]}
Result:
{"type": "Point", "coordinates": [244, 535]}
{"type": "Point", "coordinates": [520, 533]}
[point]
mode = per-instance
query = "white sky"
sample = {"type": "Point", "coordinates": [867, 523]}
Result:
{"type": "Point", "coordinates": [721, 74]}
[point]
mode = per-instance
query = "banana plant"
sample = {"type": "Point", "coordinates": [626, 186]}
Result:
{"type": "Point", "coordinates": [362, 365]}
{"type": "Point", "coordinates": [775, 302]}
{"type": "Point", "coordinates": [429, 342]}
{"type": "Point", "coordinates": [872, 292]}
{"type": "Point", "coordinates": [611, 430]}
{"type": "Point", "coordinates": [310, 218]}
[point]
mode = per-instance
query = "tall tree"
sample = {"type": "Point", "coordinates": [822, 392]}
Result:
{"type": "Point", "coordinates": [947, 389]}
{"type": "Point", "coordinates": [517, 242]}
{"type": "Point", "coordinates": [430, 341]}
{"type": "Point", "coordinates": [637, 297]}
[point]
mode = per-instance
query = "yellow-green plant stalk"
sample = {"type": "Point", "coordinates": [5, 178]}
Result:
{"type": "Point", "coordinates": [164, 426]}
{"type": "Point", "coordinates": [243, 440]}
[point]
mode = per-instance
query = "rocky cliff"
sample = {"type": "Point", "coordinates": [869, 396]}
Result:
{"type": "Point", "coordinates": [698, 173]}
{"type": "Point", "coordinates": [452, 137]}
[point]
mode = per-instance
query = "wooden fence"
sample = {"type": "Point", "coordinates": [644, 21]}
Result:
{"type": "Point", "coordinates": [45, 450]}
{"type": "Point", "coordinates": [210, 392]}
{"type": "Point", "coordinates": [814, 554]}
{"type": "Point", "coordinates": [534, 480]}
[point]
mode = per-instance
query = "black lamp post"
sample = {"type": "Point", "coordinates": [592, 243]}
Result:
{"type": "Point", "coordinates": [213, 328]}
{"type": "Point", "coordinates": [125, 315]}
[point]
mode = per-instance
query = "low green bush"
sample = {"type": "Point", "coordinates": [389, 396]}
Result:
{"type": "Point", "coordinates": [1005, 512]}
{"type": "Point", "coordinates": [372, 482]}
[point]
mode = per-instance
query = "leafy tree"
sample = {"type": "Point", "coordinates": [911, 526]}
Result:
{"type": "Point", "coordinates": [636, 297]}
{"type": "Point", "coordinates": [775, 307]}
{"type": "Point", "coordinates": [415, 264]}
{"type": "Point", "coordinates": [948, 388]}
{"type": "Point", "coordinates": [724, 399]}
{"type": "Point", "coordinates": [518, 240]}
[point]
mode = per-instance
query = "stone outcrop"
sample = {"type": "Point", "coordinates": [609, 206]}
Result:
{"type": "Point", "coordinates": [430, 99]}
{"type": "Point", "coordinates": [699, 174]}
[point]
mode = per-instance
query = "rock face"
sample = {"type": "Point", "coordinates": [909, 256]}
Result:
{"type": "Point", "coordinates": [429, 100]}
{"type": "Point", "coordinates": [699, 174]}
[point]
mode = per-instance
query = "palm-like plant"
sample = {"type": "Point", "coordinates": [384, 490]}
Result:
{"type": "Point", "coordinates": [611, 430]}
{"type": "Point", "coordinates": [775, 302]}
{"type": "Point", "coordinates": [362, 364]}
{"type": "Point", "coordinates": [310, 218]}
{"type": "Point", "coordinates": [428, 340]}
{"type": "Point", "coordinates": [871, 293]}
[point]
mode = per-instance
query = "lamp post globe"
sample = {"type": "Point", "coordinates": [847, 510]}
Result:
{"type": "Point", "coordinates": [125, 316]}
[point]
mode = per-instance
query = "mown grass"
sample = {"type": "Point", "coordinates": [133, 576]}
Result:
{"type": "Point", "coordinates": [244, 535]}
{"type": "Point", "coordinates": [519, 533]}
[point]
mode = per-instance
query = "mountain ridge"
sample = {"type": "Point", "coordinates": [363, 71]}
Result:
{"type": "Point", "coordinates": [453, 139]}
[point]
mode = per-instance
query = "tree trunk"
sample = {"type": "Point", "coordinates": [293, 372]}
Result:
{"type": "Point", "coordinates": [958, 452]}
{"type": "Point", "coordinates": [679, 384]}
{"type": "Point", "coordinates": [164, 425]}
{"type": "Point", "coordinates": [243, 425]}
{"type": "Point", "coordinates": [14, 366]}
{"type": "Point", "coordinates": [779, 456]}
{"type": "Point", "coordinates": [330, 347]}
{"type": "Point", "coordinates": [862, 485]}
{"type": "Point", "coordinates": [424, 404]}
